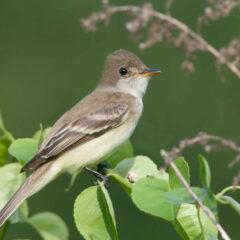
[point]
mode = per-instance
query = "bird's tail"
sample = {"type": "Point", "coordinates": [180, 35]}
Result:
{"type": "Point", "coordinates": [26, 189]}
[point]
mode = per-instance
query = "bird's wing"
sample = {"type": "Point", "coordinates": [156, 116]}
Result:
{"type": "Point", "coordinates": [80, 131]}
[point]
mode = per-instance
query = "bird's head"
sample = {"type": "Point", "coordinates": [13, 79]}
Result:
{"type": "Point", "coordinates": [125, 72]}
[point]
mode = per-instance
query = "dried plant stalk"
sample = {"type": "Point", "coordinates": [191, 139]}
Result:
{"type": "Point", "coordinates": [209, 143]}
{"type": "Point", "coordinates": [216, 10]}
{"type": "Point", "coordinates": [205, 140]}
{"type": "Point", "coordinates": [222, 232]}
{"type": "Point", "coordinates": [161, 28]}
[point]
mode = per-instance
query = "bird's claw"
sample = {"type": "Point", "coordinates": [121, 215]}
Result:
{"type": "Point", "coordinates": [99, 174]}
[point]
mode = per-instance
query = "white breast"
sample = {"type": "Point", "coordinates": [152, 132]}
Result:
{"type": "Point", "coordinates": [90, 152]}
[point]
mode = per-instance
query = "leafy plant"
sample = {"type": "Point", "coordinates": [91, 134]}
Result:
{"type": "Point", "coordinates": [156, 192]}
{"type": "Point", "coordinates": [16, 153]}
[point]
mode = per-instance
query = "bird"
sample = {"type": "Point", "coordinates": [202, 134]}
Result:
{"type": "Point", "coordinates": [96, 126]}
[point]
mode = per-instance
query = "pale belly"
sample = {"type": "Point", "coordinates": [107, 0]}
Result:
{"type": "Point", "coordinates": [92, 151]}
{"type": "Point", "coordinates": [88, 153]}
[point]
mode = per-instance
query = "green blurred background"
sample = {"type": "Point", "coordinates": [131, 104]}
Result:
{"type": "Point", "coordinates": [48, 62]}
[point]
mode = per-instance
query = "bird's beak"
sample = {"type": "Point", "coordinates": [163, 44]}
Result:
{"type": "Point", "coordinates": [149, 72]}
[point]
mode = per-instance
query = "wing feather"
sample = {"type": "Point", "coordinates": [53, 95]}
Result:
{"type": "Point", "coordinates": [96, 123]}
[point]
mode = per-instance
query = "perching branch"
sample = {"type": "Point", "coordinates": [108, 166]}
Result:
{"type": "Point", "coordinates": [169, 160]}
{"type": "Point", "coordinates": [199, 202]}
{"type": "Point", "coordinates": [208, 142]}
{"type": "Point", "coordinates": [162, 26]}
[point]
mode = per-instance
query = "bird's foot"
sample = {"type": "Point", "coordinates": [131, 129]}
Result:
{"type": "Point", "coordinates": [99, 174]}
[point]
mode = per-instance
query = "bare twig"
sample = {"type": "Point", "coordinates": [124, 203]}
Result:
{"type": "Point", "coordinates": [223, 233]}
{"type": "Point", "coordinates": [201, 41]}
{"type": "Point", "coordinates": [187, 40]}
{"type": "Point", "coordinates": [168, 5]}
{"type": "Point", "coordinates": [236, 179]}
{"type": "Point", "coordinates": [203, 139]}
{"type": "Point", "coordinates": [216, 10]}
{"type": "Point", "coordinates": [209, 143]}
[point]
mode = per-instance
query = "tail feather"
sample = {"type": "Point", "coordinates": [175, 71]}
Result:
{"type": "Point", "coordinates": [25, 190]}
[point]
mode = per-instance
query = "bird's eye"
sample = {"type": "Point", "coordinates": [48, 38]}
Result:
{"type": "Point", "coordinates": [123, 71]}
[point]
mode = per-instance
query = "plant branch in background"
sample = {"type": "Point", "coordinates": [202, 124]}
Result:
{"type": "Point", "coordinates": [171, 195]}
{"type": "Point", "coordinates": [170, 161]}
{"type": "Point", "coordinates": [216, 9]}
{"type": "Point", "coordinates": [209, 143]}
{"type": "Point", "coordinates": [162, 27]}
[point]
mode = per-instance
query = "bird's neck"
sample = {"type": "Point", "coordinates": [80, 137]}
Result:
{"type": "Point", "coordinates": [135, 87]}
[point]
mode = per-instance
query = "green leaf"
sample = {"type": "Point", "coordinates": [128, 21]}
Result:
{"type": "Point", "coordinates": [10, 181]}
{"type": "Point", "coordinates": [5, 141]}
{"type": "Point", "coordinates": [205, 173]}
{"type": "Point", "coordinates": [21, 214]}
{"type": "Point", "coordinates": [182, 166]}
{"type": "Point", "coordinates": [147, 194]}
{"type": "Point", "coordinates": [136, 168]}
{"type": "Point", "coordinates": [211, 237]}
{"type": "Point", "coordinates": [126, 185]}
{"type": "Point", "coordinates": [24, 149]}
{"type": "Point", "coordinates": [180, 230]}
{"type": "Point", "coordinates": [50, 226]}
{"type": "Point", "coordinates": [211, 202]}
{"type": "Point", "coordinates": [124, 151]}
{"type": "Point", "coordinates": [2, 160]}
{"type": "Point", "coordinates": [93, 214]}
{"type": "Point", "coordinates": [4, 130]}
{"type": "Point", "coordinates": [181, 195]}
{"type": "Point", "coordinates": [205, 177]}
{"type": "Point", "coordinates": [187, 223]}
{"type": "Point", "coordinates": [232, 203]}
{"type": "Point", "coordinates": [1, 123]}
{"type": "Point", "coordinates": [107, 209]}
{"type": "Point", "coordinates": [4, 144]}
{"type": "Point", "coordinates": [162, 175]}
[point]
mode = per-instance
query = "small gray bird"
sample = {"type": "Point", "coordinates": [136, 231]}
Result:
{"type": "Point", "coordinates": [94, 127]}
